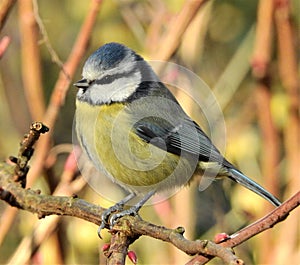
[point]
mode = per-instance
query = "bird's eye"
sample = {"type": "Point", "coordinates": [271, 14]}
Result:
{"type": "Point", "coordinates": [106, 80]}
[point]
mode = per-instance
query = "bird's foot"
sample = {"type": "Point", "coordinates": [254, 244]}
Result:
{"type": "Point", "coordinates": [109, 217]}
{"type": "Point", "coordinates": [115, 216]}
{"type": "Point", "coordinates": [105, 220]}
{"type": "Point", "coordinates": [112, 214]}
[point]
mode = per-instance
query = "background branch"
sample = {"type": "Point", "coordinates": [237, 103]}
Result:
{"type": "Point", "coordinates": [288, 66]}
{"type": "Point", "coordinates": [170, 41]}
{"type": "Point", "coordinates": [270, 157]}
{"type": "Point", "coordinates": [5, 8]}
{"type": "Point", "coordinates": [31, 60]}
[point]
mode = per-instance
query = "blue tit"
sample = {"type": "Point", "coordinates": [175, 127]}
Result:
{"type": "Point", "coordinates": [133, 129]}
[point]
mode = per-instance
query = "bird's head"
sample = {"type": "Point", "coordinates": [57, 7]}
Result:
{"type": "Point", "coordinates": [111, 74]}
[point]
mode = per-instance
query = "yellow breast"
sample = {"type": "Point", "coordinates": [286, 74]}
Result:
{"type": "Point", "coordinates": [107, 136]}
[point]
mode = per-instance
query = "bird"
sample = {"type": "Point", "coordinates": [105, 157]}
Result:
{"type": "Point", "coordinates": [133, 129]}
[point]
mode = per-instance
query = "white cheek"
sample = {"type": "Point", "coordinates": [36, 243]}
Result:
{"type": "Point", "coordinates": [119, 90]}
{"type": "Point", "coordinates": [122, 88]}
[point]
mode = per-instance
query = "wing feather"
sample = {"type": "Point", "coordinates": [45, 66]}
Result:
{"type": "Point", "coordinates": [185, 136]}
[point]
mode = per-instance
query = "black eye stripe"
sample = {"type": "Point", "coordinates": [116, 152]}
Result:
{"type": "Point", "coordinates": [108, 79]}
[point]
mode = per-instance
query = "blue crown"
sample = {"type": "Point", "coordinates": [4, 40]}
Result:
{"type": "Point", "coordinates": [108, 56]}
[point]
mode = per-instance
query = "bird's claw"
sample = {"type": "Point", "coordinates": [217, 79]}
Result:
{"type": "Point", "coordinates": [105, 216]}
{"type": "Point", "coordinates": [113, 219]}
{"type": "Point", "coordinates": [115, 216]}
{"type": "Point", "coordinates": [109, 218]}
{"type": "Point", "coordinates": [102, 226]}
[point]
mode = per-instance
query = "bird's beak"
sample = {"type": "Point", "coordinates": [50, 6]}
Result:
{"type": "Point", "coordinates": [83, 83]}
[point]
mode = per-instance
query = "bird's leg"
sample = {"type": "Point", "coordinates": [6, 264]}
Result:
{"type": "Point", "coordinates": [132, 210]}
{"type": "Point", "coordinates": [117, 207]}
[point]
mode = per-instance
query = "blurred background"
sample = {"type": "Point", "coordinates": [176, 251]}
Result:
{"type": "Point", "coordinates": [247, 52]}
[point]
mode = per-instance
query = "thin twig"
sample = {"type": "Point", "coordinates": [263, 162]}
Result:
{"type": "Point", "coordinates": [277, 215]}
{"type": "Point", "coordinates": [26, 151]}
{"type": "Point", "coordinates": [170, 41]}
{"type": "Point", "coordinates": [80, 46]}
{"type": "Point", "coordinates": [44, 228]}
{"type": "Point", "coordinates": [54, 56]}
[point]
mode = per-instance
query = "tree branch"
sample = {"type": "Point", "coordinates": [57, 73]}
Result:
{"type": "Point", "coordinates": [26, 151]}
{"type": "Point", "coordinates": [118, 248]}
{"type": "Point", "coordinates": [128, 228]}
{"type": "Point", "coordinates": [132, 227]}
{"type": "Point", "coordinates": [277, 215]}
{"type": "Point", "coordinates": [123, 232]}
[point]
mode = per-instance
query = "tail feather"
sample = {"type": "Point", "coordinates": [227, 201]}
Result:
{"type": "Point", "coordinates": [253, 186]}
